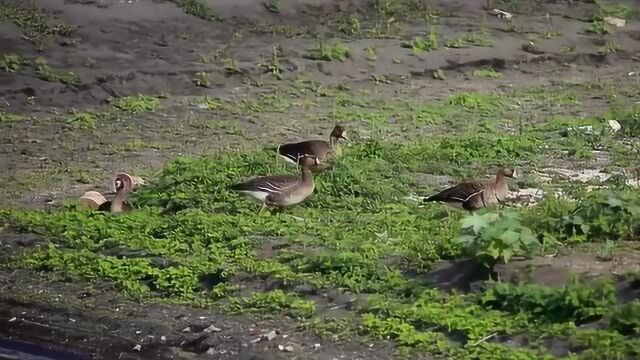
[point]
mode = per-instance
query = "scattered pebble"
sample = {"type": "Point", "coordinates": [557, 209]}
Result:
{"type": "Point", "coordinates": [187, 329]}
{"type": "Point", "coordinates": [501, 14]}
{"type": "Point", "coordinates": [138, 347]}
{"type": "Point", "coordinates": [316, 346]}
{"type": "Point", "coordinates": [270, 335]}
{"type": "Point", "coordinates": [163, 338]}
{"type": "Point", "coordinates": [614, 125]}
{"type": "Point", "coordinates": [614, 21]}
{"type": "Point", "coordinates": [212, 328]}
{"type": "Point", "coordinates": [13, 319]}
{"type": "Point", "coordinates": [288, 348]}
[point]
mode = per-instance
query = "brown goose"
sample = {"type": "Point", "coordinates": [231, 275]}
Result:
{"type": "Point", "coordinates": [123, 184]}
{"type": "Point", "coordinates": [321, 149]}
{"type": "Point", "coordinates": [280, 190]}
{"type": "Point", "coordinates": [473, 195]}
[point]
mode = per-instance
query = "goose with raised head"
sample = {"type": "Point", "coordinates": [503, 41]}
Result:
{"type": "Point", "coordinates": [320, 149]}
{"type": "Point", "coordinates": [123, 184]}
{"type": "Point", "coordinates": [473, 194]}
{"type": "Point", "coordinates": [281, 190]}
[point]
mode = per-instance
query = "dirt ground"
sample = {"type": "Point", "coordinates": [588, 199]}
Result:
{"type": "Point", "coordinates": [125, 48]}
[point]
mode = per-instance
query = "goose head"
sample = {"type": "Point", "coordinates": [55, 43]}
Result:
{"type": "Point", "coordinates": [123, 183]}
{"type": "Point", "coordinates": [308, 161]}
{"type": "Point", "coordinates": [508, 172]}
{"type": "Point", "coordinates": [339, 132]}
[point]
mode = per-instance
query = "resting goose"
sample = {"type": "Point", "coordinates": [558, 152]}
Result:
{"type": "Point", "coordinates": [321, 149]}
{"type": "Point", "coordinates": [473, 195]}
{"type": "Point", "coordinates": [123, 184]}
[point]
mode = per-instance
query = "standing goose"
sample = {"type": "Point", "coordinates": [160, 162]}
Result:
{"type": "Point", "coordinates": [123, 184]}
{"type": "Point", "coordinates": [473, 195]}
{"type": "Point", "coordinates": [321, 149]}
{"type": "Point", "coordinates": [281, 190]}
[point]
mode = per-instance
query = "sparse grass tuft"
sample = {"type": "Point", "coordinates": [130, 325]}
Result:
{"type": "Point", "coordinates": [197, 9]}
{"type": "Point", "coordinates": [201, 78]}
{"type": "Point", "coordinates": [337, 51]}
{"type": "Point", "coordinates": [34, 22]}
{"type": "Point", "coordinates": [472, 39]}
{"type": "Point", "coordinates": [419, 44]}
{"type": "Point", "coordinates": [487, 73]}
{"type": "Point", "coordinates": [46, 73]}
{"type": "Point", "coordinates": [11, 63]}
{"type": "Point", "coordinates": [137, 104]}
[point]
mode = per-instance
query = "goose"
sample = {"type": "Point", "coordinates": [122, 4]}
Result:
{"type": "Point", "coordinates": [123, 184]}
{"type": "Point", "coordinates": [473, 194]}
{"type": "Point", "coordinates": [280, 190]}
{"type": "Point", "coordinates": [321, 149]}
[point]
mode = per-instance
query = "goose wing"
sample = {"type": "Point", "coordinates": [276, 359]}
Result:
{"type": "Point", "coordinates": [461, 193]}
{"type": "Point", "coordinates": [273, 184]}
{"type": "Point", "coordinates": [293, 152]}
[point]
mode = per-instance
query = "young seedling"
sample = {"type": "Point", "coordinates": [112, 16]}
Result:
{"type": "Point", "coordinates": [272, 64]}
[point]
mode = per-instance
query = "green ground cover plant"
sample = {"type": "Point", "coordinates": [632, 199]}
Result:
{"type": "Point", "coordinates": [364, 233]}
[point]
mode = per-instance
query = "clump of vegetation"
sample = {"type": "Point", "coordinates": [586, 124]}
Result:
{"type": "Point", "coordinates": [337, 51]}
{"type": "Point", "coordinates": [275, 302]}
{"type": "Point", "coordinates": [419, 44]}
{"type": "Point", "coordinates": [625, 319]}
{"type": "Point", "coordinates": [475, 101]}
{"type": "Point", "coordinates": [272, 64]}
{"type": "Point", "coordinates": [598, 27]}
{"type": "Point", "coordinates": [197, 9]}
{"type": "Point", "coordinates": [46, 73]}
{"type": "Point", "coordinates": [578, 302]}
{"type": "Point", "coordinates": [487, 73]}
{"type": "Point", "coordinates": [34, 22]}
{"type": "Point", "coordinates": [137, 103]}
{"type": "Point", "coordinates": [83, 120]}
{"type": "Point", "coordinates": [201, 78]}
{"type": "Point", "coordinates": [472, 39]}
{"type": "Point", "coordinates": [9, 117]}
{"type": "Point", "coordinates": [605, 215]}
{"type": "Point", "coordinates": [497, 236]}
{"type": "Point", "coordinates": [11, 63]}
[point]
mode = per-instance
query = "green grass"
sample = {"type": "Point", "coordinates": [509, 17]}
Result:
{"type": "Point", "coordinates": [362, 232]}
{"type": "Point", "coordinates": [487, 73]}
{"type": "Point", "coordinates": [36, 25]}
{"type": "Point", "coordinates": [137, 104]}
{"type": "Point", "coordinates": [197, 9]}
{"type": "Point", "coordinates": [47, 73]}
{"type": "Point", "coordinates": [337, 51]}
{"type": "Point", "coordinates": [11, 63]}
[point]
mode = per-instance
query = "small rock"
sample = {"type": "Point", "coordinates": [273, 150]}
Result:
{"type": "Point", "coordinates": [614, 125]}
{"type": "Point", "coordinates": [288, 348]}
{"type": "Point", "coordinates": [501, 14]}
{"type": "Point", "coordinates": [163, 338]}
{"type": "Point", "coordinates": [187, 329]}
{"type": "Point", "coordinates": [316, 346]}
{"type": "Point", "coordinates": [138, 347]}
{"type": "Point", "coordinates": [212, 328]}
{"type": "Point", "coordinates": [614, 21]}
{"type": "Point", "coordinates": [270, 335]}
{"type": "Point", "coordinates": [13, 319]}
{"type": "Point", "coordinates": [281, 347]}
{"type": "Point", "coordinates": [211, 351]}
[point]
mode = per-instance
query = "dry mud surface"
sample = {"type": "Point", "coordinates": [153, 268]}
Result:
{"type": "Point", "coordinates": [50, 152]}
